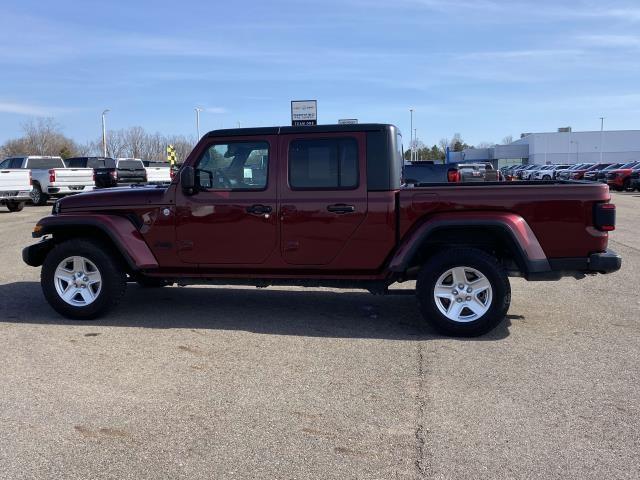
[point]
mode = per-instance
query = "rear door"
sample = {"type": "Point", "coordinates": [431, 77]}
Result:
{"type": "Point", "coordinates": [322, 195]}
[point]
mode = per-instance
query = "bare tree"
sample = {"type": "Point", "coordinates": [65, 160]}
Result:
{"type": "Point", "coordinates": [42, 136]}
{"type": "Point", "coordinates": [507, 140]}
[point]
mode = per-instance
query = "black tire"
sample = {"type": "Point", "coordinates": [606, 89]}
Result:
{"type": "Point", "coordinates": [110, 267]}
{"type": "Point", "coordinates": [546, 178]}
{"type": "Point", "coordinates": [479, 260]}
{"type": "Point", "coordinates": [626, 185]}
{"type": "Point", "coordinates": [151, 282]}
{"type": "Point", "coordinates": [38, 197]}
{"type": "Point", "coordinates": [15, 206]}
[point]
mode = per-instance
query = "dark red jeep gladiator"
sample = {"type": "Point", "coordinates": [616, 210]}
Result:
{"type": "Point", "coordinates": [322, 206]}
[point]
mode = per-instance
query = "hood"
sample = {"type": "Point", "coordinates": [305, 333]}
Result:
{"type": "Point", "coordinates": [115, 197]}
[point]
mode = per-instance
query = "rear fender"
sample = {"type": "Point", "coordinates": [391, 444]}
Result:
{"type": "Point", "coordinates": [123, 235]}
{"type": "Point", "coordinates": [528, 250]}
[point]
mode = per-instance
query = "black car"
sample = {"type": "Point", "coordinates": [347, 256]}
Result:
{"type": "Point", "coordinates": [104, 169]}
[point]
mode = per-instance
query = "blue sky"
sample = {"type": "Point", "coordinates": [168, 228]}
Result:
{"type": "Point", "coordinates": [483, 68]}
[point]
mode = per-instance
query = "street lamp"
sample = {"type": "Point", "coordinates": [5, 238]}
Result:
{"type": "Point", "coordinates": [601, 133]}
{"type": "Point", "coordinates": [104, 133]}
{"type": "Point", "coordinates": [198, 110]}
{"type": "Point", "coordinates": [411, 133]}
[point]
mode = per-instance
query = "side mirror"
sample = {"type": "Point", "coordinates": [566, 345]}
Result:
{"type": "Point", "coordinates": [188, 180]}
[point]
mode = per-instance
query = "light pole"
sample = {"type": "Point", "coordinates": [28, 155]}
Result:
{"type": "Point", "coordinates": [415, 140]}
{"type": "Point", "coordinates": [104, 133]}
{"type": "Point", "coordinates": [601, 133]}
{"type": "Point", "coordinates": [411, 133]}
{"type": "Point", "coordinates": [198, 110]}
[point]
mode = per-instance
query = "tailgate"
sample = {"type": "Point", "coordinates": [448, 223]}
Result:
{"type": "Point", "coordinates": [158, 174]}
{"type": "Point", "coordinates": [14, 180]}
{"type": "Point", "coordinates": [73, 176]}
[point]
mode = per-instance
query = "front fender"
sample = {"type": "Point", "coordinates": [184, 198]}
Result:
{"type": "Point", "coordinates": [122, 233]}
{"type": "Point", "coordinates": [513, 225]}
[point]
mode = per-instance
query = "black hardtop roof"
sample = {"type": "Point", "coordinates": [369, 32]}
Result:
{"type": "Point", "coordinates": [358, 127]}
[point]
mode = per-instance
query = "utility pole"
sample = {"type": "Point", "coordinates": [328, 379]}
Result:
{"type": "Point", "coordinates": [104, 133]}
{"type": "Point", "coordinates": [411, 133]}
{"type": "Point", "coordinates": [601, 134]}
{"type": "Point", "coordinates": [198, 110]}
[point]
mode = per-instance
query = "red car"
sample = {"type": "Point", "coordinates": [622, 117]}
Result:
{"type": "Point", "coordinates": [620, 179]}
{"type": "Point", "coordinates": [578, 174]}
{"type": "Point", "coordinates": [322, 206]}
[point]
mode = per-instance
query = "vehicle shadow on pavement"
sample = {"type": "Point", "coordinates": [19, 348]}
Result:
{"type": "Point", "coordinates": [312, 313]}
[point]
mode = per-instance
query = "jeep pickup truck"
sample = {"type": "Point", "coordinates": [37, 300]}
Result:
{"type": "Point", "coordinates": [322, 206]}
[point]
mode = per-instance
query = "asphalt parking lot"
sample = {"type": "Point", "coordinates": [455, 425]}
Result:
{"type": "Point", "coordinates": [204, 382]}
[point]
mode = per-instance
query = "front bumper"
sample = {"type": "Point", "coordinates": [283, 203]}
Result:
{"type": "Point", "coordinates": [34, 255]}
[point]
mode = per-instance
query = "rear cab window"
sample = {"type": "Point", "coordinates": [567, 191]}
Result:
{"type": "Point", "coordinates": [323, 164]}
{"type": "Point", "coordinates": [44, 163]}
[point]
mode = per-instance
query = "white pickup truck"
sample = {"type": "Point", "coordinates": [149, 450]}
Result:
{"type": "Point", "coordinates": [15, 186]}
{"type": "Point", "coordinates": [157, 172]}
{"type": "Point", "coordinates": [51, 178]}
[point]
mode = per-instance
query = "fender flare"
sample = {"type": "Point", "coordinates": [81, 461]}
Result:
{"type": "Point", "coordinates": [123, 234]}
{"type": "Point", "coordinates": [513, 225]}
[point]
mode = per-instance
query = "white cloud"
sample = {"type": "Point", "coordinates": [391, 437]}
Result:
{"type": "Point", "coordinates": [624, 41]}
{"type": "Point", "coordinates": [29, 109]}
{"type": "Point", "coordinates": [215, 110]}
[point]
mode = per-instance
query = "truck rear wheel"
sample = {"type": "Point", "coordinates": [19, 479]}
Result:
{"type": "Point", "coordinates": [37, 196]}
{"type": "Point", "coordinates": [463, 292]}
{"type": "Point", "coordinates": [15, 206]}
{"type": "Point", "coordinates": [82, 280]}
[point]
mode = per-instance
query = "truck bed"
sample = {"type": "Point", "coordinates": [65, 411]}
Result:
{"type": "Point", "coordinates": [556, 211]}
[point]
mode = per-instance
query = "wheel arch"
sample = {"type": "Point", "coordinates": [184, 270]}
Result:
{"type": "Point", "coordinates": [507, 236]}
{"type": "Point", "coordinates": [117, 232]}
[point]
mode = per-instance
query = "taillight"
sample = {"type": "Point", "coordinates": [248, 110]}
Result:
{"type": "Point", "coordinates": [604, 217]}
{"type": "Point", "coordinates": [52, 176]}
{"type": "Point", "coordinates": [30, 179]}
{"type": "Point", "coordinates": [453, 175]}
{"type": "Point", "coordinates": [114, 174]}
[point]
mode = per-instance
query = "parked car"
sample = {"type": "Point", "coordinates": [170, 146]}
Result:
{"type": "Point", "coordinates": [52, 178]}
{"type": "Point", "coordinates": [620, 178]}
{"type": "Point", "coordinates": [566, 173]}
{"type": "Point", "coordinates": [331, 212]}
{"type": "Point", "coordinates": [130, 171]}
{"type": "Point", "coordinates": [104, 169]}
{"type": "Point", "coordinates": [553, 172]}
{"type": "Point", "coordinates": [157, 172]}
{"type": "Point", "coordinates": [15, 185]}
{"type": "Point", "coordinates": [601, 175]}
{"type": "Point", "coordinates": [524, 173]}
{"type": "Point", "coordinates": [634, 183]}
{"type": "Point", "coordinates": [537, 173]}
{"type": "Point", "coordinates": [579, 173]}
{"type": "Point", "coordinates": [417, 173]}
{"type": "Point", "coordinates": [477, 172]}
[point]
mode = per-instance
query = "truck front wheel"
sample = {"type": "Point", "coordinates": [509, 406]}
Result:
{"type": "Point", "coordinates": [463, 292]}
{"type": "Point", "coordinates": [82, 280]}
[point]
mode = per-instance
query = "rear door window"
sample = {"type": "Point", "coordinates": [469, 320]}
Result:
{"type": "Point", "coordinates": [323, 164]}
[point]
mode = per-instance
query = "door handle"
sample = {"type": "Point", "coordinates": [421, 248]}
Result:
{"type": "Point", "coordinates": [259, 209]}
{"type": "Point", "coordinates": [341, 208]}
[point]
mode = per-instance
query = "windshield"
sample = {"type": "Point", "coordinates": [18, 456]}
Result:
{"type": "Point", "coordinates": [629, 165]}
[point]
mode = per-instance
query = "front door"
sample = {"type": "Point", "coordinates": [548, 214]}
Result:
{"type": "Point", "coordinates": [231, 219]}
{"type": "Point", "coordinates": [323, 195]}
